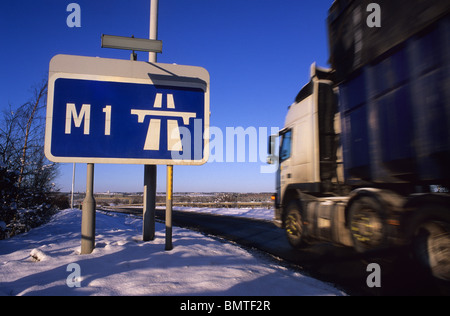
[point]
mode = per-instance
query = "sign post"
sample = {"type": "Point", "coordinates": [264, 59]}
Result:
{"type": "Point", "coordinates": [88, 216]}
{"type": "Point", "coordinates": [150, 171]}
{"type": "Point", "coordinates": [169, 194]}
{"type": "Point", "coordinates": [149, 203]}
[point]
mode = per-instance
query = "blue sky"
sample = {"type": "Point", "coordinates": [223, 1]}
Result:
{"type": "Point", "coordinates": [257, 52]}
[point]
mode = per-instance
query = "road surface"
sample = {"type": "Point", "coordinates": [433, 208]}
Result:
{"type": "Point", "coordinates": [340, 266]}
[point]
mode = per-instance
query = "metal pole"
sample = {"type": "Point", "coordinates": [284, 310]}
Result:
{"type": "Point", "coordinates": [88, 216]}
{"type": "Point", "coordinates": [169, 195]}
{"type": "Point", "coordinates": [149, 213]}
{"type": "Point", "coordinates": [73, 186]}
{"type": "Point", "coordinates": [153, 27]}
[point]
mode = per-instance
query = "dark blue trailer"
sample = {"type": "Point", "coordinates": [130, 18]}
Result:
{"type": "Point", "coordinates": [394, 104]}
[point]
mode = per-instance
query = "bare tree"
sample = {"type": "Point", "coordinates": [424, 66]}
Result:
{"type": "Point", "coordinates": [25, 174]}
{"type": "Point", "coordinates": [22, 134]}
{"type": "Point", "coordinates": [7, 143]}
{"type": "Point", "coordinates": [30, 110]}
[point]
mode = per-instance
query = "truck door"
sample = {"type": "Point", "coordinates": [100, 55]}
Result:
{"type": "Point", "coordinates": [284, 173]}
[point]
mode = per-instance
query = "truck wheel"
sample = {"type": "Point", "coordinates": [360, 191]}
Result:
{"type": "Point", "coordinates": [367, 224]}
{"type": "Point", "coordinates": [293, 224]}
{"type": "Point", "coordinates": [431, 240]}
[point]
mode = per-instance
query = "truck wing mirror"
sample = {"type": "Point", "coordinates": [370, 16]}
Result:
{"type": "Point", "coordinates": [271, 149]}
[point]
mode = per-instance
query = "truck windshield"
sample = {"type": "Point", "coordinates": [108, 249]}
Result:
{"type": "Point", "coordinates": [285, 148]}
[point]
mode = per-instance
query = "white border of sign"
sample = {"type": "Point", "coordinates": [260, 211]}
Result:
{"type": "Point", "coordinates": [116, 70]}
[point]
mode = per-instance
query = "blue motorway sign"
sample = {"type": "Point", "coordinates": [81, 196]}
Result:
{"type": "Point", "coordinates": [117, 111]}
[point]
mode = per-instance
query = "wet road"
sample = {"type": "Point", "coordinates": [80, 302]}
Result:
{"type": "Point", "coordinates": [340, 266]}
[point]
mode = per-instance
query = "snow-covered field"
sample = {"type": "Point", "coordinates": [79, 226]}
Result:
{"type": "Point", "coordinates": [46, 261]}
{"type": "Point", "coordinates": [255, 213]}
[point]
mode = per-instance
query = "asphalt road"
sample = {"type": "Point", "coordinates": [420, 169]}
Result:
{"type": "Point", "coordinates": [340, 266]}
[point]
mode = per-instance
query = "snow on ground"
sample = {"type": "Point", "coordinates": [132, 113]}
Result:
{"type": "Point", "coordinates": [39, 263]}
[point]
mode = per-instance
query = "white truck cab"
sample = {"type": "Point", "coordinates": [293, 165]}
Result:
{"type": "Point", "coordinates": [309, 158]}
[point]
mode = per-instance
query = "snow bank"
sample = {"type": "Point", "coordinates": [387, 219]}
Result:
{"type": "Point", "coordinates": [47, 261]}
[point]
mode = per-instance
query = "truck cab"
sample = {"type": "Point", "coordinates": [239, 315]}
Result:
{"type": "Point", "coordinates": [309, 154]}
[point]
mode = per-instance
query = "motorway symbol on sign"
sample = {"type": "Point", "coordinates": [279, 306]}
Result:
{"type": "Point", "coordinates": [118, 111]}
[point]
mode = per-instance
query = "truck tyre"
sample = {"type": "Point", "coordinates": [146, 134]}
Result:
{"type": "Point", "coordinates": [431, 240]}
{"type": "Point", "coordinates": [367, 224]}
{"type": "Point", "coordinates": [293, 224]}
